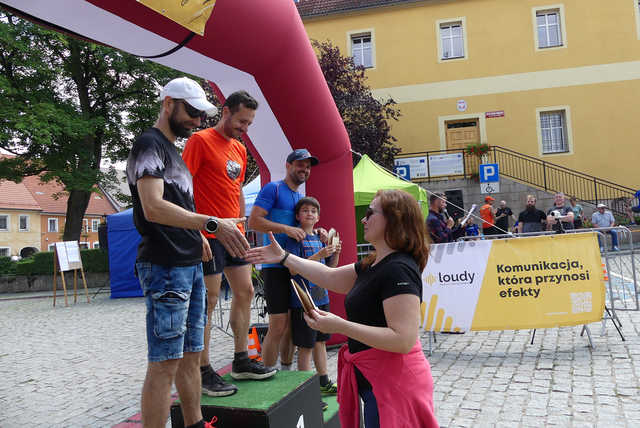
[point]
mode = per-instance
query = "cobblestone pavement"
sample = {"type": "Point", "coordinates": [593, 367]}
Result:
{"type": "Point", "coordinates": [84, 366]}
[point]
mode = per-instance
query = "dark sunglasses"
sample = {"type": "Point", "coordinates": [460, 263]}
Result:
{"type": "Point", "coordinates": [192, 111]}
{"type": "Point", "coordinates": [369, 213]}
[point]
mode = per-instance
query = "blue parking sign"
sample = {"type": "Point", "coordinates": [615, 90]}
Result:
{"type": "Point", "coordinates": [403, 171]}
{"type": "Point", "coordinates": [488, 173]}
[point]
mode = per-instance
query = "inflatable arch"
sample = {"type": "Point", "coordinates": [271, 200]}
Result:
{"type": "Point", "coordinates": [257, 45]}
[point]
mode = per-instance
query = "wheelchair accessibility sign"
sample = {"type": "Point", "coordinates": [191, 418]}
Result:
{"type": "Point", "coordinates": [489, 188]}
{"type": "Point", "coordinates": [489, 178]}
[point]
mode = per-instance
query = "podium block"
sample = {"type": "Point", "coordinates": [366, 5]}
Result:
{"type": "Point", "coordinates": [289, 399]}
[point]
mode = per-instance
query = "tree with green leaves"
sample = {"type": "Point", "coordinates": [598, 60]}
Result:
{"type": "Point", "coordinates": [365, 118]}
{"type": "Point", "coordinates": [65, 104]}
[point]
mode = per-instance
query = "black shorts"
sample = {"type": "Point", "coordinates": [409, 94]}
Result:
{"type": "Point", "coordinates": [221, 259]}
{"type": "Point", "coordinates": [304, 336]}
{"type": "Point", "coordinates": [277, 289]}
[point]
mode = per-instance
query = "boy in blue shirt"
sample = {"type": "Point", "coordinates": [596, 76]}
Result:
{"type": "Point", "coordinates": [311, 342]}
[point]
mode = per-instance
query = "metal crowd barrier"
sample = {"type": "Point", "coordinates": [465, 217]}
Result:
{"type": "Point", "coordinates": [620, 267]}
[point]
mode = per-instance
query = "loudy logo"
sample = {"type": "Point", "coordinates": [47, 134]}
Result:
{"type": "Point", "coordinates": [430, 279]}
{"type": "Point", "coordinates": [465, 277]}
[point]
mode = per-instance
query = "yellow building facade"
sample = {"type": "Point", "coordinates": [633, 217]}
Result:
{"type": "Point", "coordinates": [559, 81]}
{"type": "Point", "coordinates": [19, 229]}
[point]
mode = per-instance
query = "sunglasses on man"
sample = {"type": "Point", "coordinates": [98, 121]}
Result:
{"type": "Point", "coordinates": [193, 112]}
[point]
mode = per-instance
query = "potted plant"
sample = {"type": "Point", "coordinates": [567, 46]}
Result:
{"type": "Point", "coordinates": [478, 150]}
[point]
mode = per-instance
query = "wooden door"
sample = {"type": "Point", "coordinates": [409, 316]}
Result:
{"type": "Point", "coordinates": [461, 133]}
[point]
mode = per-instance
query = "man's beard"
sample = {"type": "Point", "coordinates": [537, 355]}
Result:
{"type": "Point", "coordinates": [531, 207]}
{"type": "Point", "coordinates": [177, 128]}
{"type": "Point", "coordinates": [296, 180]}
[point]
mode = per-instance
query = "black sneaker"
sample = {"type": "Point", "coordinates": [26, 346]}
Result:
{"type": "Point", "coordinates": [250, 369]}
{"type": "Point", "coordinates": [214, 386]}
{"type": "Point", "coordinates": [324, 405]}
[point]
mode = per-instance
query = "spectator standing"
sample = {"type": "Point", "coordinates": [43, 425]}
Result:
{"type": "Point", "coordinates": [531, 219]}
{"type": "Point", "coordinates": [440, 229]}
{"type": "Point", "coordinates": [503, 214]}
{"type": "Point", "coordinates": [488, 216]}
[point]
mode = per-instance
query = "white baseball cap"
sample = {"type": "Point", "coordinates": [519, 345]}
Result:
{"type": "Point", "coordinates": [601, 206]}
{"type": "Point", "coordinates": [186, 89]}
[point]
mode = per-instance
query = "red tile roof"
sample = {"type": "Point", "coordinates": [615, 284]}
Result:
{"type": "Point", "coordinates": [309, 8]}
{"type": "Point", "coordinates": [43, 194]}
{"type": "Point", "coordinates": [16, 196]}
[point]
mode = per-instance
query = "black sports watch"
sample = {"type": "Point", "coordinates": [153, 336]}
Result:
{"type": "Point", "coordinates": [211, 225]}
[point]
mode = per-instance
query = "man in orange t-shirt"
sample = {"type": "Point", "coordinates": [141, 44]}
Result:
{"type": "Point", "coordinates": [218, 161]}
{"type": "Point", "coordinates": [488, 215]}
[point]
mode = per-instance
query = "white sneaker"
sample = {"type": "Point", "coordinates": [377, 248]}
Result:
{"type": "Point", "coordinates": [616, 249]}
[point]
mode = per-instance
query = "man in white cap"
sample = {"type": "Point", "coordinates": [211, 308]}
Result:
{"type": "Point", "coordinates": [170, 253]}
{"type": "Point", "coordinates": [604, 218]}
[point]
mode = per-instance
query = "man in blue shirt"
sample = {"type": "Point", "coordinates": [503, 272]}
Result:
{"type": "Point", "coordinates": [274, 211]}
{"type": "Point", "coordinates": [631, 210]}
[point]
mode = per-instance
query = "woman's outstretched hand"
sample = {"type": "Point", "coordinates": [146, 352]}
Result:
{"type": "Point", "coordinates": [325, 322]}
{"type": "Point", "coordinates": [271, 253]}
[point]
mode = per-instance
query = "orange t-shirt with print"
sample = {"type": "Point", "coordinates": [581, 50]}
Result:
{"type": "Point", "coordinates": [487, 216]}
{"type": "Point", "coordinates": [218, 166]}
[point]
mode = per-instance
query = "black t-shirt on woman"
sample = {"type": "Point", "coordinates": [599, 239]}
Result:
{"type": "Point", "coordinates": [153, 155]}
{"type": "Point", "coordinates": [396, 274]}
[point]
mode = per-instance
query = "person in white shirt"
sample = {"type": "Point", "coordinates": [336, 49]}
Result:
{"type": "Point", "coordinates": [604, 218]}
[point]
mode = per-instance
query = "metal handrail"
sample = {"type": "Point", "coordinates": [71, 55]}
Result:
{"type": "Point", "coordinates": [542, 174]}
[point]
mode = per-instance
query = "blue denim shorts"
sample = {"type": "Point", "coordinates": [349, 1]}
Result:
{"type": "Point", "coordinates": [176, 309]}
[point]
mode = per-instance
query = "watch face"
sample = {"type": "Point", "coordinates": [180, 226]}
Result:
{"type": "Point", "coordinates": [212, 226]}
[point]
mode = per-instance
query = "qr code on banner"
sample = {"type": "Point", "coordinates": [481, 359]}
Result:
{"type": "Point", "coordinates": [581, 302]}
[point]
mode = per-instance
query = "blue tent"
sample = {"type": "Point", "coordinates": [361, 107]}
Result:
{"type": "Point", "coordinates": [123, 247]}
{"type": "Point", "coordinates": [250, 192]}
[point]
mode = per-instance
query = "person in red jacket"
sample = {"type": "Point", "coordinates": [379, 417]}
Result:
{"type": "Point", "coordinates": [383, 362]}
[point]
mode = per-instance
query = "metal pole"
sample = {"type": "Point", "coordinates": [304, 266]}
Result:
{"type": "Point", "coordinates": [544, 174]}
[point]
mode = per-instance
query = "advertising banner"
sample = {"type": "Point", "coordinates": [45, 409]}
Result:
{"type": "Point", "coordinates": [190, 14]}
{"type": "Point", "coordinates": [510, 284]}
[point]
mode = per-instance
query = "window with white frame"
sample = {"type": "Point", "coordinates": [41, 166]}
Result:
{"type": "Point", "coordinates": [548, 28]}
{"type": "Point", "coordinates": [83, 245]}
{"type": "Point", "coordinates": [452, 40]}
{"type": "Point", "coordinates": [96, 245]}
{"type": "Point", "coordinates": [5, 251]}
{"type": "Point", "coordinates": [636, 12]}
{"type": "Point", "coordinates": [94, 224]}
{"type": "Point", "coordinates": [52, 225]}
{"type": "Point", "coordinates": [23, 225]}
{"type": "Point", "coordinates": [553, 130]}
{"type": "Point", "coordinates": [4, 222]}
{"type": "Point", "coordinates": [51, 247]}
{"type": "Point", "coordinates": [362, 49]}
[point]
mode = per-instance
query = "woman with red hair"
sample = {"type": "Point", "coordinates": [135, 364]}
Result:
{"type": "Point", "coordinates": [383, 361]}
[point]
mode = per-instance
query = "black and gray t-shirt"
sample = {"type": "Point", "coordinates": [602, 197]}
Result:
{"type": "Point", "coordinates": [154, 155]}
{"type": "Point", "coordinates": [563, 212]}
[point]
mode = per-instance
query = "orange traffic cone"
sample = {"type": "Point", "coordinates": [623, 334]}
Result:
{"type": "Point", "coordinates": [254, 345]}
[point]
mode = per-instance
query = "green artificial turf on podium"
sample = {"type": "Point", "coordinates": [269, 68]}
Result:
{"type": "Point", "coordinates": [332, 410]}
{"type": "Point", "coordinates": [263, 394]}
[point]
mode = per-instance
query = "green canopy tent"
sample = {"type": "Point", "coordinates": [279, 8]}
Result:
{"type": "Point", "coordinates": [368, 178]}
